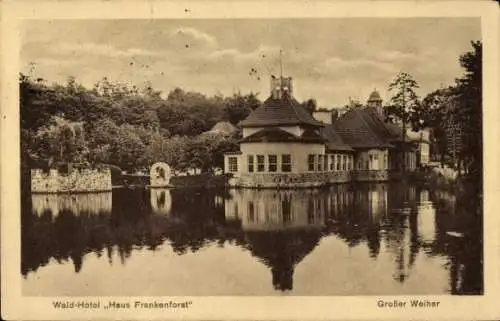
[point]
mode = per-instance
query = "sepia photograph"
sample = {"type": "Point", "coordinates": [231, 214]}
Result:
{"type": "Point", "coordinates": [251, 157]}
{"type": "Point", "coordinates": [342, 158]}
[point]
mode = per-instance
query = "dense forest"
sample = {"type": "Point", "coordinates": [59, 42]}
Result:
{"type": "Point", "coordinates": [125, 126]}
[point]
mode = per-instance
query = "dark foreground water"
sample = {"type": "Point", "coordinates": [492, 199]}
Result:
{"type": "Point", "coordinates": [346, 240]}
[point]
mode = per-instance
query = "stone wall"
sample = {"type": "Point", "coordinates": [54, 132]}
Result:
{"type": "Point", "coordinates": [309, 179]}
{"type": "Point", "coordinates": [289, 180]}
{"type": "Point", "coordinates": [370, 175]}
{"type": "Point", "coordinates": [84, 180]}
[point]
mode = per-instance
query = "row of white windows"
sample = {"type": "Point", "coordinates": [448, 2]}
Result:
{"type": "Point", "coordinates": [258, 163]}
{"type": "Point", "coordinates": [316, 163]}
{"type": "Point", "coordinates": [320, 162]}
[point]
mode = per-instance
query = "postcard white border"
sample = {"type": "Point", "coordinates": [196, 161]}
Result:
{"type": "Point", "coordinates": [15, 306]}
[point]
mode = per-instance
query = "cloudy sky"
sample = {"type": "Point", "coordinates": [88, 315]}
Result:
{"type": "Point", "coordinates": [329, 59]}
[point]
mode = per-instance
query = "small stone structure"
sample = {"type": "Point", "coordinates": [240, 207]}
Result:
{"type": "Point", "coordinates": [79, 180]}
{"type": "Point", "coordinates": [160, 175]}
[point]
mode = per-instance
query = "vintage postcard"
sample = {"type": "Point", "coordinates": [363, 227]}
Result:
{"type": "Point", "coordinates": [250, 160]}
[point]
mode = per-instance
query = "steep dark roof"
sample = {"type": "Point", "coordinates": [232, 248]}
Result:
{"type": "Point", "coordinates": [274, 134]}
{"type": "Point", "coordinates": [390, 131]}
{"type": "Point", "coordinates": [384, 130]}
{"type": "Point", "coordinates": [279, 112]}
{"type": "Point", "coordinates": [333, 140]}
{"type": "Point", "coordinates": [354, 130]}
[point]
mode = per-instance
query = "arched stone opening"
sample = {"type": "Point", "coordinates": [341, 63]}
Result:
{"type": "Point", "coordinates": [160, 175]}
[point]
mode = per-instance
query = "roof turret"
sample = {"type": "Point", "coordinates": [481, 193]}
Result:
{"type": "Point", "coordinates": [374, 96]}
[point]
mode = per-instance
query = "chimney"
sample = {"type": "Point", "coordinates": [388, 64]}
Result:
{"type": "Point", "coordinates": [281, 85]}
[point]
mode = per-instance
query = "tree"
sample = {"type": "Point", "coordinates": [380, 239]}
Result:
{"type": "Point", "coordinates": [174, 149]}
{"type": "Point", "coordinates": [35, 99]}
{"type": "Point", "coordinates": [238, 107]}
{"type": "Point", "coordinates": [404, 105]}
{"type": "Point", "coordinates": [189, 113]}
{"type": "Point", "coordinates": [436, 113]}
{"type": "Point", "coordinates": [310, 105]}
{"type": "Point", "coordinates": [469, 110]}
{"type": "Point", "coordinates": [156, 149]}
{"type": "Point", "coordinates": [127, 150]}
{"type": "Point", "coordinates": [101, 137]}
{"type": "Point", "coordinates": [61, 141]}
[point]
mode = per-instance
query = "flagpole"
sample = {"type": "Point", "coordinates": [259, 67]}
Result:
{"type": "Point", "coordinates": [281, 63]}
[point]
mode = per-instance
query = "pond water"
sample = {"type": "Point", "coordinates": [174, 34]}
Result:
{"type": "Point", "coordinates": [365, 239]}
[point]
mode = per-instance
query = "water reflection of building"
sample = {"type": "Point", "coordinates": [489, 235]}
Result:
{"type": "Point", "coordinates": [373, 200]}
{"type": "Point", "coordinates": [280, 227]}
{"type": "Point", "coordinates": [161, 200]}
{"type": "Point", "coordinates": [75, 203]}
{"type": "Point", "coordinates": [426, 218]}
{"type": "Point", "coordinates": [340, 200]}
{"type": "Point", "coordinates": [276, 209]}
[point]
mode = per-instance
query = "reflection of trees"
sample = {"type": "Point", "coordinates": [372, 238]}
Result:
{"type": "Point", "coordinates": [71, 235]}
{"type": "Point", "coordinates": [401, 228]}
{"type": "Point", "coordinates": [356, 212]}
{"type": "Point", "coordinates": [460, 212]}
{"type": "Point", "coordinates": [131, 224]}
{"type": "Point", "coordinates": [401, 245]}
{"type": "Point", "coordinates": [62, 238]}
{"type": "Point", "coordinates": [198, 216]}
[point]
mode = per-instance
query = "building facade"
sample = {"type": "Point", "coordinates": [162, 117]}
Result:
{"type": "Point", "coordinates": [284, 145]}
